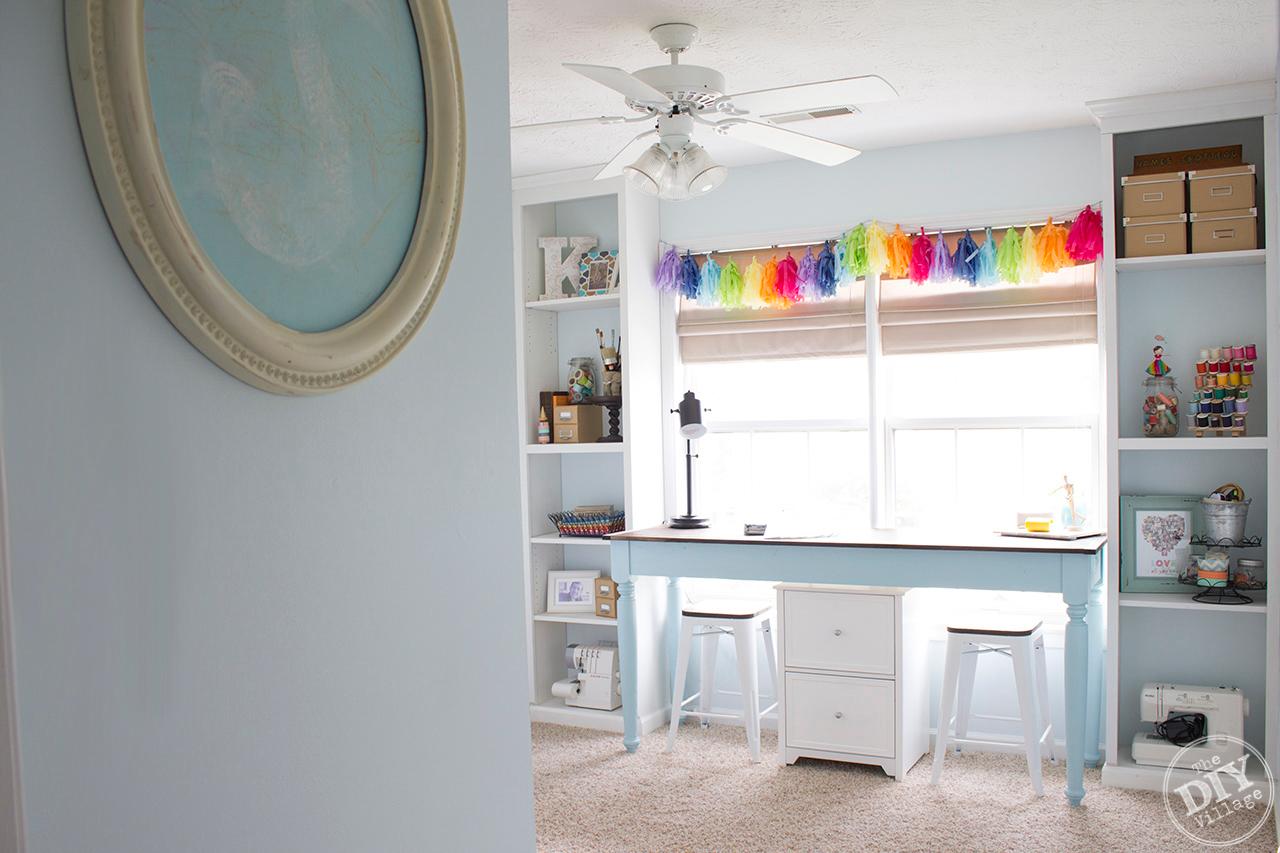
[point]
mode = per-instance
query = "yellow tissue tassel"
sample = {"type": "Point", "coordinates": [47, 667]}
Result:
{"type": "Point", "coordinates": [877, 249]}
{"type": "Point", "coordinates": [752, 279]}
{"type": "Point", "coordinates": [1030, 263]}
{"type": "Point", "coordinates": [898, 253]}
{"type": "Point", "coordinates": [1051, 247]}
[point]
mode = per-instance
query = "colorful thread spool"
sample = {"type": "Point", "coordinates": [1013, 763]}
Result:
{"type": "Point", "coordinates": [1246, 378]}
{"type": "Point", "coordinates": [1229, 406]}
{"type": "Point", "coordinates": [1237, 351]}
{"type": "Point", "coordinates": [1246, 367]}
{"type": "Point", "coordinates": [1238, 421]}
{"type": "Point", "coordinates": [1202, 366]}
{"type": "Point", "coordinates": [1202, 421]}
{"type": "Point", "coordinates": [1215, 354]}
{"type": "Point", "coordinates": [1251, 351]}
{"type": "Point", "coordinates": [1219, 406]}
{"type": "Point", "coordinates": [1219, 393]}
{"type": "Point", "coordinates": [1224, 366]}
{"type": "Point", "coordinates": [1223, 378]}
{"type": "Point", "coordinates": [1242, 405]}
{"type": "Point", "coordinates": [1212, 367]}
{"type": "Point", "coordinates": [1233, 379]}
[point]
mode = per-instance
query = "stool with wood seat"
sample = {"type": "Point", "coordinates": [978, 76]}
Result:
{"type": "Point", "coordinates": [1022, 642]}
{"type": "Point", "coordinates": [710, 620]}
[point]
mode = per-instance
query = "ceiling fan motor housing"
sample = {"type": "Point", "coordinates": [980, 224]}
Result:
{"type": "Point", "coordinates": [691, 86]}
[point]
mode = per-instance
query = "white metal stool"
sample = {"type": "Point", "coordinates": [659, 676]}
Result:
{"type": "Point", "coordinates": [710, 620]}
{"type": "Point", "coordinates": [1024, 644]}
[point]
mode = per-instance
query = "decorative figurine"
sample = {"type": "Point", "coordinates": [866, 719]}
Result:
{"type": "Point", "coordinates": [1074, 520]}
{"type": "Point", "coordinates": [557, 268]}
{"type": "Point", "coordinates": [611, 382]}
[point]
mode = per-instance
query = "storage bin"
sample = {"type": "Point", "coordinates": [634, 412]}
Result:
{"type": "Point", "coordinates": [1147, 236]}
{"type": "Point", "coordinates": [1154, 195]}
{"type": "Point", "coordinates": [1229, 188]}
{"type": "Point", "coordinates": [1224, 230]}
{"type": "Point", "coordinates": [577, 424]}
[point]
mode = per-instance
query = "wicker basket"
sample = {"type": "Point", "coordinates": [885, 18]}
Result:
{"type": "Point", "coordinates": [588, 524]}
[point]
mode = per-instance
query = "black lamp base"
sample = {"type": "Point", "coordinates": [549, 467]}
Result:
{"type": "Point", "coordinates": [688, 522]}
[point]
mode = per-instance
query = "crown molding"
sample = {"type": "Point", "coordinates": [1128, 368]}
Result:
{"type": "Point", "coordinates": [1194, 106]}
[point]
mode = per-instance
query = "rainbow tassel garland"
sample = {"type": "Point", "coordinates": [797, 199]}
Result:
{"type": "Point", "coordinates": [866, 250]}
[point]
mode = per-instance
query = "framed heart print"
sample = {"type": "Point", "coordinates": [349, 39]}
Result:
{"type": "Point", "coordinates": [1155, 540]}
{"type": "Point", "coordinates": [284, 177]}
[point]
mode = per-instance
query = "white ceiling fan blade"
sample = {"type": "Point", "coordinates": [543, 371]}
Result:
{"type": "Point", "coordinates": [621, 81]}
{"type": "Point", "coordinates": [627, 155]}
{"type": "Point", "coordinates": [570, 122]}
{"type": "Point", "coordinates": [787, 141]}
{"type": "Point", "coordinates": [847, 91]}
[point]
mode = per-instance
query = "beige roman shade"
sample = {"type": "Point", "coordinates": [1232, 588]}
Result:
{"type": "Point", "coordinates": [1062, 308]}
{"type": "Point", "coordinates": [833, 327]}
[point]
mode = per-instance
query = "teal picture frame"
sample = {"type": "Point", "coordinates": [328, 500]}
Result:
{"type": "Point", "coordinates": [1139, 547]}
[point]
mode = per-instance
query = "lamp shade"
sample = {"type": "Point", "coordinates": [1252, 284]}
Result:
{"type": "Point", "coordinates": [690, 409]}
{"type": "Point", "coordinates": [649, 169]}
{"type": "Point", "coordinates": [702, 173]}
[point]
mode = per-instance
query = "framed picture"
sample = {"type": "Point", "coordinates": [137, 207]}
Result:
{"type": "Point", "coordinates": [571, 592]}
{"type": "Point", "coordinates": [1155, 540]}
{"type": "Point", "coordinates": [597, 272]}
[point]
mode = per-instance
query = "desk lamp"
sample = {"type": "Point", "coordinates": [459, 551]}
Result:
{"type": "Point", "coordinates": [691, 427]}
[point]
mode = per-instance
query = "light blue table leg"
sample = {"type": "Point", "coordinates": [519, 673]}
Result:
{"type": "Point", "coordinates": [1076, 583]}
{"type": "Point", "coordinates": [620, 569]}
{"type": "Point", "coordinates": [675, 608]}
{"type": "Point", "coordinates": [1096, 624]}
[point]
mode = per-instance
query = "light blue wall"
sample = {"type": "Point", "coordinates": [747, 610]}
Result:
{"type": "Point", "coordinates": [936, 181]}
{"type": "Point", "coordinates": [239, 617]}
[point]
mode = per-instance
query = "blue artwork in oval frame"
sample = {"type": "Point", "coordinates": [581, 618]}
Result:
{"type": "Point", "coordinates": [294, 135]}
{"type": "Point", "coordinates": [285, 177]}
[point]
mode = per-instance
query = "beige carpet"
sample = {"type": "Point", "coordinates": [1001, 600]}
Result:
{"type": "Point", "coordinates": [590, 795]}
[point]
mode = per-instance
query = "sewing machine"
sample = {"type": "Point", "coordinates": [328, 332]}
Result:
{"type": "Point", "coordinates": [1224, 709]}
{"type": "Point", "coordinates": [594, 681]}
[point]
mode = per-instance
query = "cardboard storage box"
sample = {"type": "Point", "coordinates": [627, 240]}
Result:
{"type": "Point", "coordinates": [607, 607]}
{"type": "Point", "coordinates": [1152, 195]}
{"type": "Point", "coordinates": [1231, 188]}
{"type": "Point", "coordinates": [1224, 230]}
{"type": "Point", "coordinates": [1146, 236]}
{"type": "Point", "coordinates": [577, 424]}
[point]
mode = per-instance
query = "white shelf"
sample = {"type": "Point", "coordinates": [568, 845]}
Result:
{"type": "Point", "coordinates": [592, 447]}
{"type": "Point", "coordinates": [1174, 601]}
{"type": "Point", "coordinates": [576, 619]}
{"type": "Point", "coordinates": [1126, 773]}
{"type": "Point", "coordinates": [575, 303]}
{"type": "Point", "coordinates": [555, 711]}
{"type": "Point", "coordinates": [1204, 260]}
{"type": "Point", "coordinates": [1247, 442]}
{"type": "Point", "coordinates": [557, 539]}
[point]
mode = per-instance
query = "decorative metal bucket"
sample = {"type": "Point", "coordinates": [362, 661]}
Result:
{"type": "Point", "coordinates": [1225, 519]}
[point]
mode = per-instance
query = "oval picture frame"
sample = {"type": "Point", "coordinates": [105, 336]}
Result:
{"type": "Point", "coordinates": [109, 78]}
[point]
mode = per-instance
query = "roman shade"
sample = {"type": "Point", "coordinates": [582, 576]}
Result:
{"type": "Point", "coordinates": [1062, 308]}
{"type": "Point", "coordinates": [832, 327]}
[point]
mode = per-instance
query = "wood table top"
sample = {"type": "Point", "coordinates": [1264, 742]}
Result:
{"type": "Point", "coordinates": [926, 540]}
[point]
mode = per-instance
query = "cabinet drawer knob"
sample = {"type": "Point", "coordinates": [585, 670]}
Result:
{"type": "Point", "coordinates": [839, 715]}
{"type": "Point", "coordinates": [838, 632]}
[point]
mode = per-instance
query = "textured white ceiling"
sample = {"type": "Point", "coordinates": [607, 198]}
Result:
{"type": "Point", "coordinates": [962, 69]}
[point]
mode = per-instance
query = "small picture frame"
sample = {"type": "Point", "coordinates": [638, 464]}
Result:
{"type": "Point", "coordinates": [1155, 540]}
{"type": "Point", "coordinates": [597, 272]}
{"type": "Point", "coordinates": [571, 591]}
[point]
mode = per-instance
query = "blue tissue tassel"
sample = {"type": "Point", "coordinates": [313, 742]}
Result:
{"type": "Point", "coordinates": [667, 278]}
{"type": "Point", "coordinates": [826, 271]}
{"type": "Point", "coordinates": [987, 273]}
{"type": "Point", "coordinates": [708, 282]}
{"type": "Point", "coordinates": [689, 277]}
{"type": "Point", "coordinates": [966, 258]}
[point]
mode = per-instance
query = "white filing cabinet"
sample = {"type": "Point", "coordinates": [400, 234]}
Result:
{"type": "Point", "coordinates": [853, 675]}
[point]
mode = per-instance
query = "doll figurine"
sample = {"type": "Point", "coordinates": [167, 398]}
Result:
{"type": "Point", "coordinates": [611, 381]}
{"type": "Point", "coordinates": [1157, 367]}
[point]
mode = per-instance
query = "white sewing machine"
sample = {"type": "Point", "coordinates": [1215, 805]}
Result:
{"type": "Point", "coordinates": [594, 681]}
{"type": "Point", "coordinates": [1224, 709]}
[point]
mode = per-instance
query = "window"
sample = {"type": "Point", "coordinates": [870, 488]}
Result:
{"type": "Point", "coordinates": [786, 436]}
{"type": "Point", "coordinates": [975, 437]}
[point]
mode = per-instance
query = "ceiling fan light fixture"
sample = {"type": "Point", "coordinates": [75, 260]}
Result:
{"type": "Point", "coordinates": [704, 173]}
{"type": "Point", "coordinates": [674, 185]}
{"type": "Point", "coordinates": [649, 170]}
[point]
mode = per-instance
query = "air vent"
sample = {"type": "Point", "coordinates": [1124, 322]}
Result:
{"type": "Point", "coordinates": [807, 115]}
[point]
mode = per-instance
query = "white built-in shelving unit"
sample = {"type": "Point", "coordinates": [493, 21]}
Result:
{"type": "Point", "coordinates": [555, 477]}
{"type": "Point", "coordinates": [1196, 301]}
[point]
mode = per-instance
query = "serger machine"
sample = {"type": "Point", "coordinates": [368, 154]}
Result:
{"type": "Point", "coordinates": [1184, 713]}
{"type": "Point", "coordinates": [593, 680]}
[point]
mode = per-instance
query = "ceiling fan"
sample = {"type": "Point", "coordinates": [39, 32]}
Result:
{"type": "Point", "coordinates": [665, 161]}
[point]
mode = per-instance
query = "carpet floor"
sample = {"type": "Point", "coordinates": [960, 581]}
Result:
{"type": "Point", "coordinates": [590, 795]}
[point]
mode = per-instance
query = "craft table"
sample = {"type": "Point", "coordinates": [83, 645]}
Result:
{"type": "Point", "coordinates": [899, 558]}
